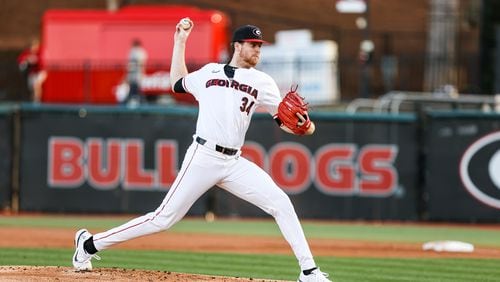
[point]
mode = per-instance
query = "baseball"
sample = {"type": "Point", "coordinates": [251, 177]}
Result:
{"type": "Point", "coordinates": [185, 23]}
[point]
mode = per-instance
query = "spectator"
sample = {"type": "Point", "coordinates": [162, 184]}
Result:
{"type": "Point", "coordinates": [30, 65]}
{"type": "Point", "coordinates": [135, 70]}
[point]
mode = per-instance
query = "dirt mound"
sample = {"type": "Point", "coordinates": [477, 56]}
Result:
{"type": "Point", "coordinates": [66, 274]}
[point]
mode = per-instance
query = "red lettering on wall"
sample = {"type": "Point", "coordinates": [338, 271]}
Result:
{"type": "Point", "coordinates": [335, 173]}
{"type": "Point", "coordinates": [65, 162]}
{"type": "Point", "coordinates": [103, 163]}
{"type": "Point", "coordinates": [376, 166]}
{"type": "Point", "coordinates": [135, 174]}
{"type": "Point", "coordinates": [290, 166]}
{"type": "Point", "coordinates": [166, 163]}
{"type": "Point", "coordinates": [107, 164]}
{"type": "Point", "coordinates": [255, 153]}
{"type": "Point", "coordinates": [337, 169]}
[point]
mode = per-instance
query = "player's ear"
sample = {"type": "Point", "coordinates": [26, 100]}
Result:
{"type": "Point", "coordinates": [237, 45]}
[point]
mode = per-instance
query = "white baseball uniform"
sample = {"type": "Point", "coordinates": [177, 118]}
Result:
{"type": "Point", "coordinates": [226, 106]}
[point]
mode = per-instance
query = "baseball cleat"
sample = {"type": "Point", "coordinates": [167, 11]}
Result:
{"type": "Point", "coordinates": [315, 276]}
{"type": "Point", "coordinates": [81, 259]}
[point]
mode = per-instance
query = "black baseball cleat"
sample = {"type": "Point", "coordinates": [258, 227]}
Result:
{"type": "Point", "coordinates": [315, 276]}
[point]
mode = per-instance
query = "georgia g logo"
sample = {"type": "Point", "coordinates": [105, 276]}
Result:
{"type": "Point", "coordinates": [480, 169]}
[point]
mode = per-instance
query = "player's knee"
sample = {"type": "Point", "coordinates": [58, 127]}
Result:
{"type": "Point", "coordinates": [281, 205]}
{"type": "Point", "coordinates": [162, 225]}
{"type": "Point", "coordinates": [165, 220]}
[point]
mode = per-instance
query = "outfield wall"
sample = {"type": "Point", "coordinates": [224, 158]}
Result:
{"type": "Point", "coordinates": [462, 164]}
{"type": "Point", "coordinates": [6, 162]}
{"type": "Point", "coordinates": [88, 159]}
{"type": "Point", "coordinates": [356, 167]}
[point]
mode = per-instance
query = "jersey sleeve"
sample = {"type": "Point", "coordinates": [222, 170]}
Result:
{"type": "Point", "coordinates": [272, 97]}
{"type": "Point", "coordinates": [194, 82]}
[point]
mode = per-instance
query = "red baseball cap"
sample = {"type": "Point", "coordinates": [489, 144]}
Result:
{"type": "Point", "coordinates": [248, 33]}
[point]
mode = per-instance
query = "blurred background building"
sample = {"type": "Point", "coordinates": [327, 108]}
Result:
{"type": "Point", "coordinates": [380, 45]}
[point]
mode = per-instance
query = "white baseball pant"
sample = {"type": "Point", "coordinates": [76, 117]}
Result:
{"type": "Point", "coordinates": [201, 169]}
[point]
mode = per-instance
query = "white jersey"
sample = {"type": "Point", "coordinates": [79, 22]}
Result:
{"type": "Point", "coordinates": [226, 105]}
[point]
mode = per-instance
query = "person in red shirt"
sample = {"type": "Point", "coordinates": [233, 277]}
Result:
{"type": "Point", "coordinates": [29, 65]}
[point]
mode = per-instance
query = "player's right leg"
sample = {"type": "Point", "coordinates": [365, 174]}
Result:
{"type": "Point", "coordinates": [249, 182]}
{"type": "Point", "coordinates": [199, 172]}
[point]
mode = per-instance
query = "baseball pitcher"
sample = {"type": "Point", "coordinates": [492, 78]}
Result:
{"type": "Point", "coordinates": [228, 95]}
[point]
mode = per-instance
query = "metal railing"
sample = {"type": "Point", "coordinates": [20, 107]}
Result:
{"type": "Point", "coordinates": [399, 101]}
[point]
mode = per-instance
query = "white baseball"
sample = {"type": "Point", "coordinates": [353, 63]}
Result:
{"type": "Point", "coordinates": [185, 23]}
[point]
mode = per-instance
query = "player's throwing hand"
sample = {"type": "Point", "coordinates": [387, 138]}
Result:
{"type": "Point", "coordinates": [183, 28]}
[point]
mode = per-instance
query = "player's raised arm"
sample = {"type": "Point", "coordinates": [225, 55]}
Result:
{"type": "Point", "coordinates": [178, 67]}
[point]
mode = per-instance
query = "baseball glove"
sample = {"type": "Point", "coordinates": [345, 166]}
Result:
{"type": "Point", "coordinates": [292, 112]}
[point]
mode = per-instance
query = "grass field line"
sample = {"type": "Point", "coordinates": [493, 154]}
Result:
{"type": "Point", "coordinates": [481, 235]}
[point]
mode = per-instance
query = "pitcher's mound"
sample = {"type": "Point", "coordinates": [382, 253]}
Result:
{"type": "Point", "coordinates": [66, 274]}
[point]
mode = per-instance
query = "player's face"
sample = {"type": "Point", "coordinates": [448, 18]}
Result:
{"type": "Point", "coordinates": [248, 53]}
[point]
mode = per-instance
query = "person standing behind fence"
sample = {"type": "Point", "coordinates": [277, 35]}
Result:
{"type": "Point", "coordinates": [136, 64]}
{"type": "Point", "coordinates": [29, 64]}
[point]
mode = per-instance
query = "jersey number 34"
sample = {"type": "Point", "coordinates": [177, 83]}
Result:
{"type": "Point", "coordinates": [245, 106]}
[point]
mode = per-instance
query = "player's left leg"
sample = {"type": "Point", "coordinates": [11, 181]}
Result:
{"type": "Point", "coordinates": [194, 179]}
{"type": "Point", "coordinates": [199, 172]}
{"type": "Point", "coordinates": [249, 182]}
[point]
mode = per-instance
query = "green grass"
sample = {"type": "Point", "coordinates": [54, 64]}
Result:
{"type": "Point", "coordinates": [271, 266]}
{"type": "Point", "coordinates": [356, 231]}
{"type": "Point", "coordinates": [350, 269]}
